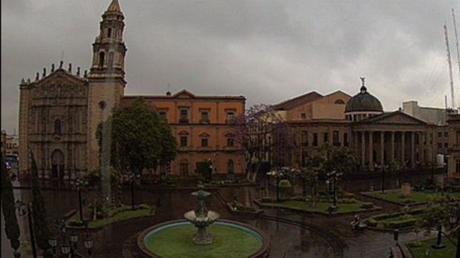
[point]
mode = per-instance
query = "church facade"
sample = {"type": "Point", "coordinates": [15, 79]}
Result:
{"type": "Point", "coordinates": [60, 111]}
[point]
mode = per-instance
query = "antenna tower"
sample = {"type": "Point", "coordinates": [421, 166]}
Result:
{"type": "Point", "coordinates": [450, 68]}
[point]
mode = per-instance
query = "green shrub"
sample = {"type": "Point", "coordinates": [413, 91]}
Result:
{"type": "Point", "coordinates": [367, 205]}
{"type": "Point", "coordinates": [348, 195]}
{"type": "Point", "coordinates": [350, 200]}
{"type": "Point", "coordinates": [284, 183]}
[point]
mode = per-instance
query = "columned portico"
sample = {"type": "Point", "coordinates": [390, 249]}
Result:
{"type": "Point", "coordinates": [392, 138]}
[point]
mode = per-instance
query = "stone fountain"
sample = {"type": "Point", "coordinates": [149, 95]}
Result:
{"type": "Point", "coordinates": [201, 218]}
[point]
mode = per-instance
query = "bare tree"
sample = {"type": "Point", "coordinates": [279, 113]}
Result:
{"type": "Point", "coordinates": [264, 138]}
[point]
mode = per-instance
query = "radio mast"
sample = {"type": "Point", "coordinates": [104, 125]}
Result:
{"type": "Point", "coordinates": [452, 92]}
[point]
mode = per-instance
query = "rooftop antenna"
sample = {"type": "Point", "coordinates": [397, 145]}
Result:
{"type": "Point", "coordinates": [445, 101]}
{"type": "Point", "coordinates": [456, 40]}
{"type": "Point", "coordinates": [450, 67]}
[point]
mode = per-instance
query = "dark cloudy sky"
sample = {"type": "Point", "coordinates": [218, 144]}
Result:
{"type": "Point", "coordinates": [265, 50]}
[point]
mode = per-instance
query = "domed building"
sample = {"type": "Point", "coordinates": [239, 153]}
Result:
{"type": "Point", "coordinates": [363, 105]}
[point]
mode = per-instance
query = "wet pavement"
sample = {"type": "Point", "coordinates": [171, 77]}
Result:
{"type": "Point", "coordinates": [292, 234]}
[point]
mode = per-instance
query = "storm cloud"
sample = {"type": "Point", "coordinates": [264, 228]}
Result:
{"type": "Point", "coordinates": [267, 51]}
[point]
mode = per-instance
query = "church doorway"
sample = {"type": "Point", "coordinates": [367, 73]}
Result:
{"type": "Point", "coordinates": [57, 164]}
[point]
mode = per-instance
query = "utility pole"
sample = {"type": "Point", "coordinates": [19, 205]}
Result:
{"type": "Point", "coordinates": [452, 92]}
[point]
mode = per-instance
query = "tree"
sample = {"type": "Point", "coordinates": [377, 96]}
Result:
{"type": "Point", "coordinates": [262, 135]}
{"type": "Point", "coordinates": [9, 209]}
{"type": "Point", "coordinates": [40, 224]}
{"type": "Point", "coordinates": [140, 139]}
{"type": "Point", "coordinates": [339, 159]}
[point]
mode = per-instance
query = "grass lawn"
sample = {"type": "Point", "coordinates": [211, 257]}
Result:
{"type": "Point", "coordinates": [419, 251]}
{"type": "Point", "coordinates": [321, 207]}
{"type": "Point", "coordinates": [414, 198]}
{"type": "Point", "coordinates": [229, 242]}
{"type": "Point", "coordinates": [118, 217]}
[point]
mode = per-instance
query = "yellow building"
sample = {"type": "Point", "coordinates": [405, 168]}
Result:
{"type": "Point", "coordinates": [204, 127]}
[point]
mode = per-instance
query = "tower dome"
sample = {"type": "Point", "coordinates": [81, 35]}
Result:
{"type": "Point", "coordinates": [363, 105]}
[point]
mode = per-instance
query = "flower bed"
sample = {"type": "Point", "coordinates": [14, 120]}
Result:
{"type": "Point", "coordinates": [114, 215]}
{"type": "Point", "coordinates": [344, 206]}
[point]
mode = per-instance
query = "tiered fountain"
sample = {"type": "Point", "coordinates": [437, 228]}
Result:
{"type": "Point", "coordinates": [211, 238]}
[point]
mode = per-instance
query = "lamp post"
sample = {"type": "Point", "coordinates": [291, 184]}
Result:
{"type": "Point", "coordinates": [382, 169]}
{"type": "Point", "coordinates": [78, 183]}
{"type": "Point", "coordinates": [133, 177]}
{"type": "Point", "coordinates": [439, 244]}
{"type": "Point", "coordinates": [277, 174]}
{"type": "Point", "coordinates": [332, 178]}
{"type": "Point", "coordinates": [69, 243]}
{"type": "Point", "coordinates": [25, 209]}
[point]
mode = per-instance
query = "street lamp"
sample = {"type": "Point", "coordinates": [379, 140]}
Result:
{"type": "Point", "coordinates": [88, 243]}
{"type": "Point", "coordinates": [277, 174]}
{"type": "Point", "coordinates": [69, 243]}
{"type": "Point", "coordinates": [382, 168]}
{"type": "Point", "coordinates": [439, 244]}
{"type": "Point", "coordinates": [26, 210]}
{"type": "Point", "coordinates": [133, 177]}
{"type": "Point", "coordinates": [332, 178]}
{"type": "Point", "coordinates": [78, 183]}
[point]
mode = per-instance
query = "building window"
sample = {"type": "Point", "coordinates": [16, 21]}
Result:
{"type": "Point", "coordinates": [335, 138]}
{"type": "Point", "coordinates": [204, 142]}
{"type": "Point", "coordinates": [439, 145]}
{"type": "Point", "coordinates": [109, 32]}
{"type": "Point", "coordinates": [231, 119]}
{"type": "Point", "coordinates": [204, 117]}
{"type": "Point", "coordinates": [345, 139]}
{"type": "Point", "coordinates": [230, 167]}
{"type": "Point", "coordinates": [325, 137]}
{"type": "Point", "coordinates": [57, 126]}
{"type": "Point", "coordinates": [183, 167]}
{"type": "Point", "coordinates": [446, 134]}
{"type": "Point", "coordinates": [101, 59]}
{"type": "Point", "coordinates": [431, 138]}
{"type": "Point", "coordinates": [457, 134]}
{"type": "Point", "coordinates": [339, 101]}
{"type": "Point", "coordinates": [303, 116]}
{"type": "Point", "coordinates": [183, 119]}
{"type": "Point", "coordinates": [439, 134]}
{"type": "Point", "coordinates": [305, 138]}
{"type": "Point", "coordinates": [446, 145]}
{"type": "Point", "coordinates": [458, 165]}
{"type": "Point", "coordinates": [315, 139]}
{"type": "Point", "coordinates": [163, 115]}
{"type": "Point", "coordinates": [230, 142]}
{"type": "Point", "coordinates": [184, 141]}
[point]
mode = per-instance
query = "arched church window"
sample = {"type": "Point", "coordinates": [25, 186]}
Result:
{"type": "Point", "coordinates": [110, 59]}
{"type": "Point", "coordinates": [102, 104]}
{"type": "Point", "coordinates": [101, 59]}
{"type": "Point", "coordinates": [57, 126]}
{"type": "Point", "coordinates": [230, 167]}
{"type": "Point", "coordinates": [109, 32]}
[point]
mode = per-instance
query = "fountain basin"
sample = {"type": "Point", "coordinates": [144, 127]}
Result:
{"type": "Point", "coordinates": [231, 240]}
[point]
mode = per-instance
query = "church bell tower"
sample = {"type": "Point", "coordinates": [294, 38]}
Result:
{"type": "Point", "coordinates": [107, 76]}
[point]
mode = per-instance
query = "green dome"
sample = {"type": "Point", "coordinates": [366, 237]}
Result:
{"type": "Point", "coordinates": [363, 102]}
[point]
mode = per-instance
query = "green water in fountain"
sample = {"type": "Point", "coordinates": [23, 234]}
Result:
{"type": "Point", "coordinates": [230, 241]}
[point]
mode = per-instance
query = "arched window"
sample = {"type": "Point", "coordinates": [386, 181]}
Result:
{"type": "Point", "coordinates": [230, 166]}
{"type": "Point", "coordinates": [109, 32]}
{"type": "Point", "coordinates": [339, 101]}
{"type": "Point", "coordinates": [110, 59]}
{"type": "Point", "coordinates": [57, 126]}
{"type": "Point", "coordinates": [101, 59]}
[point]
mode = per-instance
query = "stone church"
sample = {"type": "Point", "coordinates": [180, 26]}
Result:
{"type": "Point", "coordinates": [60, 112]}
